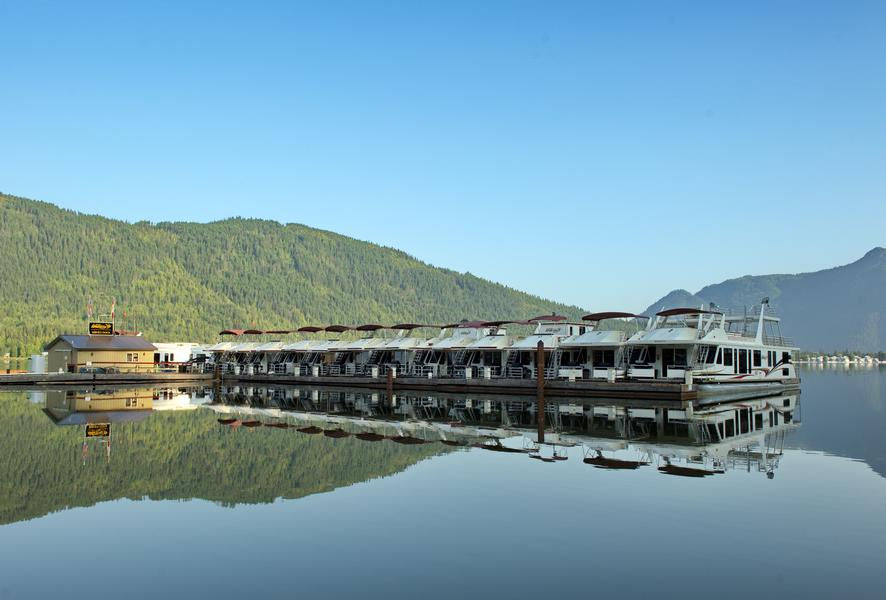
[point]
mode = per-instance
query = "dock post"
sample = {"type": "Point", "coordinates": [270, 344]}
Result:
{"type": "Point", "coordinates": [540, 389]}
{"type": "Point", "coordinates": [390, 387]}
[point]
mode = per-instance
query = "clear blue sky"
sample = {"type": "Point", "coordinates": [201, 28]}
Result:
{"type": "Point", "coordinates": [599, 153]}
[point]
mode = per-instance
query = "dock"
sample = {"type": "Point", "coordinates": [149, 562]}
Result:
{"type": "Point", "coordinates": [53, 379]}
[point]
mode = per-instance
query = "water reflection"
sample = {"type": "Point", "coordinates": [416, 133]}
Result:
{"type": "Point", "coordinates": [678, 439]}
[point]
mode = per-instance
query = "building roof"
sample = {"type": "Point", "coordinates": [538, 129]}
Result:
{"type": "Point", "coordinates": [103, 342]}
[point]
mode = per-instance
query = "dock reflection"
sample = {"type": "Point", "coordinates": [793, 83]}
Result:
{"type": "Point", "coordinates": [676, 438]}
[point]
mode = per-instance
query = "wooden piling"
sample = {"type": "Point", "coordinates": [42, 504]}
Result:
{"type": "Point", "coordinates": [390, 387]}
{"type": "Point", "coordinates": [540, 388]}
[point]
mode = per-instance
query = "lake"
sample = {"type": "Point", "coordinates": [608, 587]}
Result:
{"type": "Point", "coordinates": [789, 503]}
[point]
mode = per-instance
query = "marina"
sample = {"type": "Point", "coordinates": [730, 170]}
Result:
{"type": "Point", "coordinates": [301, 470]}
{"type": "Point", "coordinates": [680, 354]}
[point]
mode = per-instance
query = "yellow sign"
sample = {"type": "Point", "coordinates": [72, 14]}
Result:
{"type": "Point", "coordinates": [98, 430]}
{"type": "Point", "coordinates": [101, 328]}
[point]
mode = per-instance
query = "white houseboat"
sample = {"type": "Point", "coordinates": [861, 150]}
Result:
{"type": "Point", "coordinates": [714, 346]}
{"type": "Point", "coordinates": [599, 352]}
{"type": "Point", "coordinates": [551, 330]}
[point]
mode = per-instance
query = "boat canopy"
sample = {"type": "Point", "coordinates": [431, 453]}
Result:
{"type": "Point", "coordinates": [253, 332]}
{"type": "Point", "coordinates": [409, 326]}
{"type": "Point", "coordinates": [673, 312]}
{"type": "Point", "coordinates": [465, 324]}
{"type": "Point", "coordinates": [369, 327]}
{"type": "Point", "coordinates": [553, 317]}
{"type": "Point", "coordinates": [600, 316]}
{"type": "Point", "coordinates": [309, 329]}
{"type": "Point", "coordinates": [237, 332]}
{"type": "Point", "coordinates": [337, 328]}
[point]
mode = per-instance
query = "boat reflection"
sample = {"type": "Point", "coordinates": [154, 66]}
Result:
{"type": "Point", "coordinates": [676, 438]}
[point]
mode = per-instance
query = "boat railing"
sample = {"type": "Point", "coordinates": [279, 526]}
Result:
{"type": "Point", "coordinates": [778, 340]}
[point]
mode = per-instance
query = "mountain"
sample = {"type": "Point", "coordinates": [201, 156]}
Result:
{"type": "Point", "coordinates": [834, 309]}
{"type": "Point", "coordinates": [187, 281]}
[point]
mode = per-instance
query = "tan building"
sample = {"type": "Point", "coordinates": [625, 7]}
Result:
{"type": "Point", "coordinates": [114, 353]}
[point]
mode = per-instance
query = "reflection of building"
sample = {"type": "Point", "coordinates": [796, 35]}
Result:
{"type": "Point", "coordinates": [113, 406]}
{"type": "Point", "coordinates": [112, 353]}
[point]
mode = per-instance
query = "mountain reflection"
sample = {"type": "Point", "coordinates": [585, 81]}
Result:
{"type": "Point", "coordinates": [235, 445]}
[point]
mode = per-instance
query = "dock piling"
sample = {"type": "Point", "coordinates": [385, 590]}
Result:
{"type": "Point", "coordinates": [540, 388]}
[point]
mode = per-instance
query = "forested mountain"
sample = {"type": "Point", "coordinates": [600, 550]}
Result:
{"type": "Point", "coordinates": [186, 281]}
{"type": "Point", "coordinates": [834, 309]}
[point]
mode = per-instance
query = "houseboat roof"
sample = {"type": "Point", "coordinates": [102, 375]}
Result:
{"type": "Point", "coordinates": [307, 345]}
{"type": "Point", "coordinates": [366, 343]}
{"type": "Point", "coordinates": [495, 341]}
{"type": "Point", "coordinates": [103, 342]}
{"type": "Point", "coordinates": [405, 343]}
{"type": "Point", "coordinates": [245, 347]}
{"type": "Point", "coordinates": [220, 347]}
{"type": "Point", "coordinates": [269, 347]}
{"type": "Point", "coordinates": [596, 337]}
{"type": "Point", "coordinates": [460, 338]}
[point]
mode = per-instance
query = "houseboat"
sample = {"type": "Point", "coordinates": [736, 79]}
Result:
{"type": "Point", "coordinates": [713, 346]}
{"type": "Point", "coordinates": [551, 330]}
{"type": "Point", "coordinates": [599, 352]}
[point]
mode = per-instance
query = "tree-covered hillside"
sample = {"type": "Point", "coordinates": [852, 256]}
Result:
{"type": "Point", "coordinates": [186, 281]}
{"type": "Point", "coordinates": [834, 309]}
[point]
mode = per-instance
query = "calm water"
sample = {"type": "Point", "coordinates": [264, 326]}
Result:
{"type": "Point", "coordinates": [184, 506]}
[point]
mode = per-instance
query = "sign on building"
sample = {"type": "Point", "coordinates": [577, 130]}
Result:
{"type": "Point", "coordinates": [101, 328]}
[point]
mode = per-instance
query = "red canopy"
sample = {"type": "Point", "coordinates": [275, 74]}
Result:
{"type": "Point", "coordinates": [409, 326]}
{"type": "Point", "coordinates": [232, 332]}
{"type": "Point", "coordinates": [600, 316]}
{"type": "Point", "coordinates": [550, 317]}
{"type": "Point", "coordinates": [369, 327]}
{"type": "Point", "coordinates": [337, 328]}
{"type": "Point", "coordinates": [672, 312]}
{"type": "Point", "coordinates": [279, 331]}
{"type": "Point", "coordinates": [473, 324]}
{"type": "Point", "coordinates": [309, 329]}
{"type": "Point", "coordinates": [253, 332]}
{"type": "Point", "coordinates": [500, 323]}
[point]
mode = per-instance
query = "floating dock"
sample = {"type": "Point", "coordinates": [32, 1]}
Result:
{"type": "Point", "coordinates": [637, 390]}
{"type": "Point", "coordinates": [554, 388]}
{"type": "Point", "coordinates": [40, 379]}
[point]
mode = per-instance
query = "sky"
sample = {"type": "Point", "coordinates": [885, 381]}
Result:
{"type": "Point", "coordinates": [596, 153]}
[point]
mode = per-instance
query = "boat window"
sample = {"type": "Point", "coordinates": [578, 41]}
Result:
{"type": "Point", "coordinates": [758, 358]}
{"type": "Point", "coordinates": [786, 357]}
{"type": "Point", "coordinates": [727, 357]}
{"type": "Point", "coordinates": [604, 358]}
{"type": "Point", "coordinates": [758, 420]}
{"type": "Point", "coordinates": [719, 360]}
{"type": "Point", "coordinates": [679, 356]}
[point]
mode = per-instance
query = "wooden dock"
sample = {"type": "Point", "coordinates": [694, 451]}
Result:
{"type": "Point", "coordinates": [663, 390]}
{"type": "Point", "coordinates": [52, 379]}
